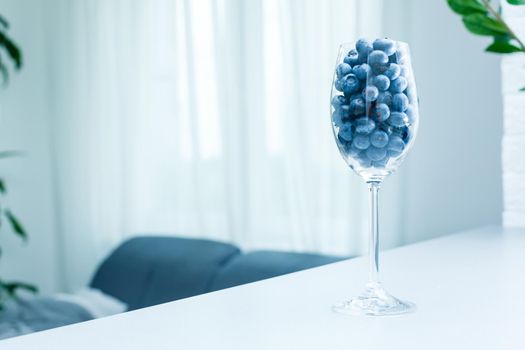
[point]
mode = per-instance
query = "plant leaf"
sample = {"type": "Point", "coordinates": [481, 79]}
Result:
{"type": "Point", "coordinates": [16, 225]}
{"type": "Point", "coordinates": [10, 153]}
{"type": "Point", "coordinates": [502, 47]}
{"type": "Point", "coordinates": [4, 23]}
{"type": "Point", "coordinates": [516, 2]}
{"type": "Point", "coordinates": [522, 89]}
{"type": "Point", "coordinates": [481, 24]}
{"type": "Point", "coordinates": [12, 287]}
{"type": "Point", "coordinates": [3, 190]}
{"type": "Point", "coordinates": [12, 49]}
{"type": "Point", "coordinates": [4, 72]}
{"type": "Point", "coordinates": [466, 7]}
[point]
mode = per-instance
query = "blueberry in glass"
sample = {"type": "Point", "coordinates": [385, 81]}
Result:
{"type": "Point", "coordinates": [400, 102]}
{"type": "Point", "coordinates": [381, 82]}
{"type": "Point", "coordinates": [385, 97]}
{"type": "Point", "coordinates": [375, 117]}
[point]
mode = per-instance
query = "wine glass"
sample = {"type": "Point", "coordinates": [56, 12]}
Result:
{"type": "Point", "coordinates": [374, 110]}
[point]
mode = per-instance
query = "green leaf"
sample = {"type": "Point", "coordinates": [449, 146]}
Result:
{"type": "Point", "coordinates": [3, 190]}
{"type": "Point", "coordinates": [502, 47]}
{"type": "Point", "coordinates": [12, 287]}
{"type": "Point", "coordinates": [516, 2]}
{"type": "Point", "coordinates": [522, 89]}
{"type": "Point", "coordinates": [4, 23]}
{"type": "Point", "coordinates": [9, 154]}
{"type": "Point", "coordinates": [4, 72]}
{"type": "Point", "coordinates": [481, 24]}
{"type": "Point", "coordinates": [12, 50]}
{"type": "Point", "coordinates": [16, 225]}
{"type": "Point", "coordinates": [466, 7]}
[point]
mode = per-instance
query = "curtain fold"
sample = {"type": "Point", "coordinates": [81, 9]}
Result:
{"type": "Point", "coordinates": [204, 119]}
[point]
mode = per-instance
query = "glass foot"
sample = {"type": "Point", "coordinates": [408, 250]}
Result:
{"type": "Point", "coordinates": [375, 301]}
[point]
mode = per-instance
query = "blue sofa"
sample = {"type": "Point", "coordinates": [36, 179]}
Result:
{"type": "Point", "coordinates": [146, 271]}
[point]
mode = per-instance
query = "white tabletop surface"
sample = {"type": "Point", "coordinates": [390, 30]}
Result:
{"type": "Point", "coordinates": [469, 289]}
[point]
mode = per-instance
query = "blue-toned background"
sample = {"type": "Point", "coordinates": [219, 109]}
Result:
{"type": "Point", "coordinates": [211, 119]}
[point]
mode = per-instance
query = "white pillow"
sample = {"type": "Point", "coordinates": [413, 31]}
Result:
{"type": "Point", "coordinates": [93, 300]}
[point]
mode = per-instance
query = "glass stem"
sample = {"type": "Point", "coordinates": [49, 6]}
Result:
{"type": "Point", "coordinates": [373, 244]}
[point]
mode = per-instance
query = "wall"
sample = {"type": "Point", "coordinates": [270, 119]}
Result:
{"type": "Point", "coordinates": [450, 181]}
{"type": "Point", "coordinates": [513, 79]}
{"type": "Point", "coordinates": [24, 105]}
{"type": "Point", "coordinates": [452, 178]}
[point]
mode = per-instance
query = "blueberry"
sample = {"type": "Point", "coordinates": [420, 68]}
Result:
{"type": "Point", "coordinates": [400, 102]}
{"type": "Point", "coordinates": [363, 159]}
{"type": "Point", "coordinates": [379, 69]}
{"type": "Point", "coordinates": [381, 163]}
{"type": "Point", "coordinates": [363, 46]}
{"type": "Point", "coordinates": [357, 106]}
{"type": "Point", "coordinates": [411, 114]}
{"type": "Point", "coordinates": [385, 97]}
{"type": "Point", "coordinates": [346, 132]}
{"type": "Point", "coordinates": [344, 110]}
{"type": "Point", "coordinates": [362, 141]}
{"type": "Point", "coordinates": [364, 125]}
{"type": "Point", "coordinates": [343, 69]}
{"type": "Point", "coordinates": [370, 93]}
{"type": "Point", "coordinates": [337, 118]}
{"type": "Point", "coordinates": [351, 150]}
{"type": "Point", "coordinates": [340, 114]}
{"type": "Point", "coordinates": [338, 85]}
{"type": "Point", "coordinates": [377, 58]}
{"type": "Point", "coordinates": [379, 139]}
{"type": "Point", "coordinates": [351, 57]}
{"type": "Point", "coordinates": [388, 46]}
{"type": "Point", "coordinates": [381, 82]}
{"type": "Point", "coordinates": [398, 119]}
{"type": "Point", "coordinates": [338, 101]}
{"type": "Point", "coordinates": [361, 71]}
{"type": "Point", "coordinates": [398, 85]}
{"type": "Point", "coordinates": [375, 153]}
{"type": "Point", "coordinates": [350, 83]}
{"type": "Point", "coordinates": [393, 71]}
{"type": "Point", "coordinates": [395, 146]}
{"type": "Point", "coordinates": [342, 142]}
{"type": "Point", "coordinates": [381, 112]}
{"type": "Point", "coordinates": [362, 58]}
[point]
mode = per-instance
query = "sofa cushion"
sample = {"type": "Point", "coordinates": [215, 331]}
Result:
{"type": "Point", "coordinates": [258, 265]}
{"type": "Point", "coordinates": [146, 271]}
{"type": "Point", "coordinates": [31, 314]}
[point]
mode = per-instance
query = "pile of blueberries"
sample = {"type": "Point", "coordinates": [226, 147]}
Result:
{"type": "Point", "coordinates": [372, 112]}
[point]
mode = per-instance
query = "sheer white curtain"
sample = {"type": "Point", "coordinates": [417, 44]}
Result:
{"type": "Point", "coordinates": [204, 119]}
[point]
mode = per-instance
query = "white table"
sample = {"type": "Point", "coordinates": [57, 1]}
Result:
{"type": "Point", "coordinates": [469, 289]}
